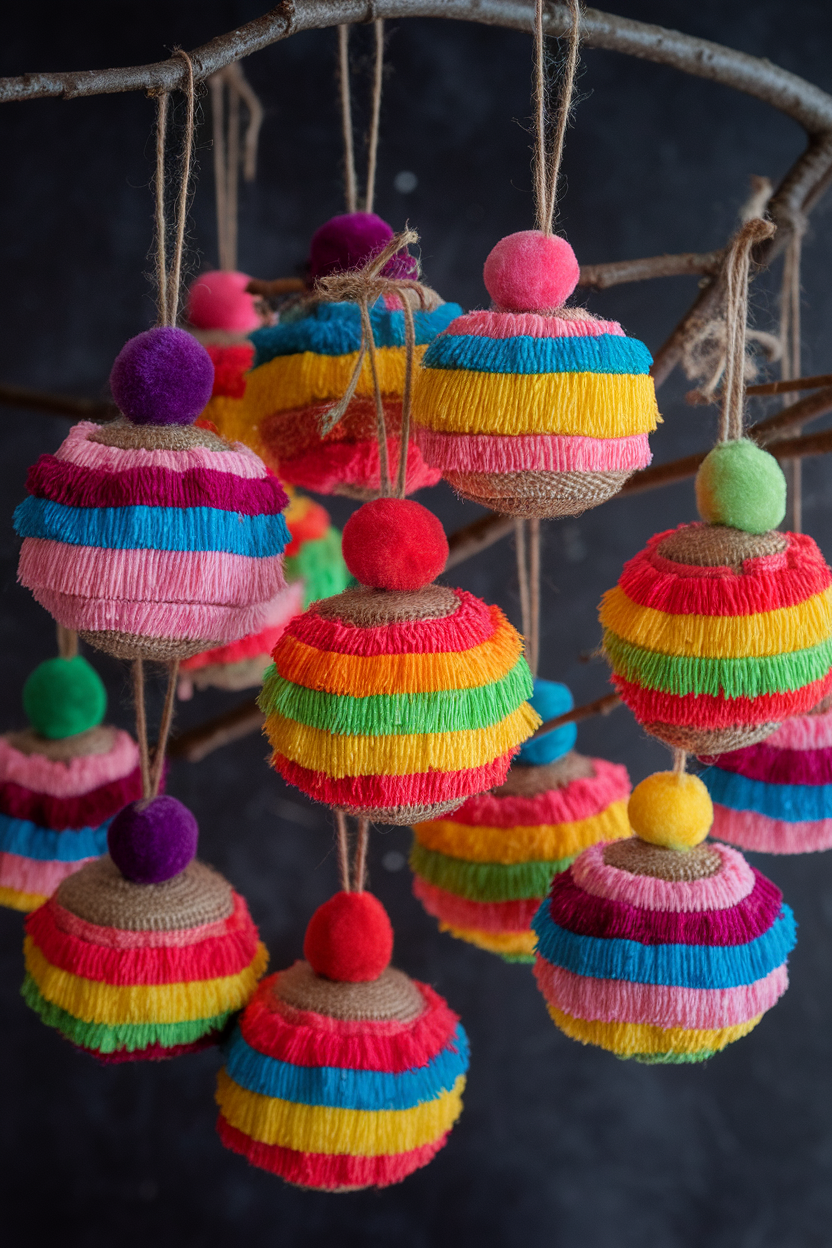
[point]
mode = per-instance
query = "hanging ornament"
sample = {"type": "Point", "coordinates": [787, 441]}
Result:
{"type": "Point", "coordinates": [343, 1073]}
{"type": "Point", "coordinates": [61, 781]}
{"type": "Point", "coordinates": [144, 953]}
{"type": "Point", "coordinates": [400, 698]}
{"type": "Point", "coordinates": [484, 870]}
{"type": "Point", "coordinates": [662, 948]}
{"type": "Point", "coordinates": [776, 797]}
{"type": "Point", "coordinates": [535, 408]}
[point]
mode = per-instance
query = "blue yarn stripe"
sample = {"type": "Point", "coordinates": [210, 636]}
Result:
{"type": "Point", "coordinates": [793, 803]}
{"type": "Point", "coordinates": [608, 353]}
{"type": "Point", "coordinates": [19, 836]}
{"type": "Point", "coordinates": [153, 528]}
{"type": "Point", "coordinates": [677, 966]}
{"type": "Point", "coordinates": [341, 1088]}
{"type": "Point", "coordinates": [335, 329]}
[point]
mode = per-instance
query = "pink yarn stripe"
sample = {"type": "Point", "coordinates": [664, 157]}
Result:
{"type": "Point", "coordinates": [282, 609]}
{"type": "Point", "coordinates": [478, 452]}
{"type": "Point", "coordinates": [753, 831]}
{"type": "Point", "coordinates": [74, 778]}
{"type": "Point", "coordinates": [806, 732]}
{"type": "Point", "coordinates": [488, 916]}
{"type": "Point", "coordinates": [188, 576]}
{"type": "Point", "coordinates": [580, 799]}
{"type": "Point", "coordinates": [734, 882]}
{"type": "Point", "coordinates": [77, 449]}
{"type": "Point", "coordinates": [617, 1001]}
{"type": "Point", "coordinates": [487, 324]}
{"type": "Point", "coordinates": [473, 623]}
{"type": "Point", "coordinates": [776, 766]}
{"type": "Point", "coordinates": [180, 938]}
{"type": "Point", "coordinates": [33, 875]}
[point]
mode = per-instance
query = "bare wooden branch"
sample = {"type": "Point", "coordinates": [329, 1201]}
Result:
{"type": "Point", "coordinates": [615, 273]}
{"type": "Point", "coordinates": [57, 404]}
{"type": "Point", "coordinates": [479, 535]}
{"type": "Point", "coordinates": [277, 286]}
{"type": "Point", "coordinates": [197, 742]}
{"type": "Point", "coordinates": [601, 706]}
{"type": "Point", "coordinates": [786, 384]}
{"type": "Point", "coordinates": [813, 406]}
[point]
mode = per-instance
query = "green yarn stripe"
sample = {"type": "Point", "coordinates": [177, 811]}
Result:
{"type": "Point", "coordinates": [321, 566]}
{"type": "Point", "coordinates": [485, 881]}
{"type": "Point", "coordinates": [669, 1059]}
{"type": "Point", "coordinates": [733, 678]}
{"type": "Point", "coordinates": [110, 1037]}
{"type": "Point", "coordinates": [397, 714]}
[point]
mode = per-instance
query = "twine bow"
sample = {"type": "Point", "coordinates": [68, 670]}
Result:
{"type": "Point", "coordinates": [364, 287]}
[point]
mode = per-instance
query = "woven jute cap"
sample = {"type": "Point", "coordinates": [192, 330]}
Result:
{"type": "Point", "coordinates": [393, 997]}
{"type": "Point", "coordinates": [534, 493]}
{"type": "Point", "coordinates": [129, 437]}
{"type": "Point", "coordinates": [100, 894]}
{"type": "Point", "coordinates": [717, 546]}
{"type": "Point", "coordinates": [138, 646]}
{"type": "Point", "coordinates": [823, 706]}
{"type": "Point", "coordinates": [370, 608]}
{"type": "Point", "coordinates": [243, 674]}
{"type": "Point", "coordinates": [404, 816]}
{"type": "Point", "coordinates": [713, 741]}
{"type": "Point", "coordinates": [98, 740]}
{"type": "Point", "coordinates": [531, 781]}
{"type": "Point", "coordinates": [640, 858]}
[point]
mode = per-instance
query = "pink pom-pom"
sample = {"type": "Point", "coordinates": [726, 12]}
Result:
{"type": "Point", "coordinates": [530, 272]}
{"type": "Point", "coordinates": [219, 300]}
{"type": "Point", "coordinates": [394, 543]}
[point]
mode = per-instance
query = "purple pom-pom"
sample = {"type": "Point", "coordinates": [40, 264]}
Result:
{"type": "Point", "coordinates": [162, 377]}
{"type": "Point", "coordinates": [152, 841]}
{"type": "Point", "coordinates": [349, 241]}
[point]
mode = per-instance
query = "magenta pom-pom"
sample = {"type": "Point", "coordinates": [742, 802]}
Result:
{"type": "Point", "coordinates": [530, 272]}
{"type": "Point", "coordinates": [219, 300]}
{"type": "Point", "coordinates": [348, 241]}
{"type": "Point", "coordinates": [162, 377]}
{"type": "Point", "coordinates": [394, 543]}
{"type": "Point", "coordinates": [153, 840]}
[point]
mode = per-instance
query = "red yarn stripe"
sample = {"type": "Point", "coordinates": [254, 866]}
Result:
{"type": "Point", "coordinates": [413, 790]}
{"type": "Point", "coordinates": [470, 625]}
{"type": "Point", "coordinates": [580, 799]}
{"type": "Point", "coordinates": [334, 464]}
{"type": "Point", "coordinates": [765, 762]}
{"type": "Point", "coordinates": [703, 710]}
{"type": "Point", "coordinates": [231, 363]}
{"type": "Point", "coordinates": [327, 1170]}
{"type": "Point", "coordinates": [304, 1038]}
{"type": "Point", "coordinates": [488, 916]}
{"type": "Point", "coordinates": [587, 915]}
{"type": "Point", "coordinates": [89, 810]}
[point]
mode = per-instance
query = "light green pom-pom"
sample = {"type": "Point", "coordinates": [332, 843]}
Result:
{"type": "Point", "coordinates": [742, 486]}
{"type": "Point", "coordinates": [63, 697]}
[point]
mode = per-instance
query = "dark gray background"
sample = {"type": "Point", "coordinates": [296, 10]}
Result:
{"type": "Point", "coordinates": [557, 1143]}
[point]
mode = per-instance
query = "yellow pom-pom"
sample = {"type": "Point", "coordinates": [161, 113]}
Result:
{"type": "Point", "coordinates": [671, 809]}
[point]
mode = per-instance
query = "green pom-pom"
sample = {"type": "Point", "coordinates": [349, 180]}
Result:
{"type": "Point", "coordinates": [742, 486]}
{"type": "Point", "coordinates": [320, 564]}
{"type": "Point", "coordinates": [63, 697]}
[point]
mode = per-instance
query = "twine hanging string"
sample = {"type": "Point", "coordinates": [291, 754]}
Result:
{"type": "Point", "coordinates": [141, 726]}
{"type": "Point", "coordinates": [680, 762]}
{"type": "Point", "coordinates": [231, 153]}
{"type": "Point", "coordinates": [547, 163]}
{"type": "Point", "coordinates": [169, 277]}
{"type": "Point", "coordinates": [158, 765]}
{"type": "Point", "coordinates": [67, 639]}
{"type": "Point", "coordinates": [790, 335]}
{"type": "Point", "coordinates": [737, 267]}
{"type": "Point", "coordinates": [364, 287]}
{"type": "Point", "coordinates": [351, 881]}
{"type": "Point", "coordinates": [360, 865]}
{"type": "Point", "coordinates": [527, 542]}
{"type": "Point", "coordinates": [342, 841]}
{"type": "Point", "coordinates": [345, 98]}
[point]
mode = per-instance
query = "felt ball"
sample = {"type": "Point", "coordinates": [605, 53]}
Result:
{"type": "Point", "coordinates": [530, 272]}
{"type": "Point", "coordinates": [63, 697]}
{"type": "Point", "coordinates": [348, 241]}
{"type": "Point", "coordinates": [153, 840]}
{"type": "Point", "coordinates": [162, 377]}
{"type": "Point", "coordinates": [741, 485]}
{"type": "Point", "coordinates": [394, 543]}
{"type": "Point", "coordinates": [349, 938]}
{"type": "Point", "coordinates": [219, 300]}
{"type": "Point", "coordinates": [672, 809]}
{"type": "Point", "coordinates": [550, 699]}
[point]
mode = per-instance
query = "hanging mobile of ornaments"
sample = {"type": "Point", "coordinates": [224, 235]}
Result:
{"type": "Point", "coordinates": [61, 780]}
{"type": "Point", "coordinates": [719, 631]}
{"type": "Point", "coordinates": [342, 1072]}
{"type": "Point", "coordinates": [327, 402]}
{"type": "Point", "coordinates": [535, 408]}
{"type": "Point", "coordinates": [661, 948]}
{"type": "Point", "coordinates": [483, 870]}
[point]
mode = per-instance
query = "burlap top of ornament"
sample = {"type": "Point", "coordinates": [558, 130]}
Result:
{"type": "Point", "coordinates": [151, 537]}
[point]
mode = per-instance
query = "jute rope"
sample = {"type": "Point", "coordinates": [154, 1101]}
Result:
{"type": "Point", "coordinates": [67, 639]}
{"type": "Point", "coordinates": [231, 153]}
{"type": "Point", "coordinates": [680, 761]}
{"type": "Point", "coordinates": [790, 334]}
{"type": "Point", "coordinates": [737, 268]}
{"type": "Point", "coordinates": [527, 541]}
{"type": "Point", "coordinates": [345, 99]}
{"type": "Point", "coordinates": [352, 881]}
{"type": "Point", "coordinates": [169, 278]}
{"type": "Point", "coordinates": [547, 163]}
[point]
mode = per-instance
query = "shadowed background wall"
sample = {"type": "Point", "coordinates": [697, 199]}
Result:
{"type": "Point", "coordinates": [556, 1141]}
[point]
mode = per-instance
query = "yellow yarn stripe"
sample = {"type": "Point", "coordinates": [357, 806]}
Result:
{"type": "Point", "coordinates": [719, 636]}
{"type": "Point", "coordinates": [323, 1129]}
{"type": "Point", "coordinates": [547, 842]}
{"type": "Point", "coordinates": [630, 1039]}
{"type": "Point", "coordinates": [406, 755]}
{"type": "Point", "coordinates": [94, 1002]}
{"type": "Point", "coordinates": [14, 900]}
{"type": "Point", "coordinates": [363, 675]}
{"type": "Point", "coordinates": [228, 415]}
{"type": "Point", "coordinates": [290, 381]}
{"type": "Point", "coordinates": [504, 943]}
{"type": "Point", "coordinates": [595, 405]}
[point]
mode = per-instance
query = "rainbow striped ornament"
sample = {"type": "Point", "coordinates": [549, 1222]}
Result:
{"type": "Point", "coordinates": [225, 408]}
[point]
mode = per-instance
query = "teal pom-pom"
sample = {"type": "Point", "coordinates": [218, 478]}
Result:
{"type": "Point", "coordinates": [63, 697]}
{"type": "Point", "coordinates": [549, 699]}
{"type": "Point", "coordinates": [741, 486]}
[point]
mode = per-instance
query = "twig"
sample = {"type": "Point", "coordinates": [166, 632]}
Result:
{"type": "Point", "coordinates": [813, 406]}
{"type": "Point", "coordinates": [57, 404]}
{"type": "Point", "coordinates": [616, 272]}
{"type": "Point", "coordinates": [278, 286]}
{"type": "Point", "coordinates": [787, 384]}
{"type": "Point", "coordinates": [477, 536]}
{"type": "Point", "coordinates": [601, 706]}
{"type": "Point", "coordinates": [201, 740]}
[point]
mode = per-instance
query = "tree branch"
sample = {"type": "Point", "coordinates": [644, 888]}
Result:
{"type": "Point", "coordinates": [615, 273]}
{"type": "Point", "coordinates": [601, 706]}
{"type": "Point", "coordinates": [785, 385]}
{"type": "Point", "coordinates": [59, 404]}
{"type": "Point", "coordinates": [194, 744]}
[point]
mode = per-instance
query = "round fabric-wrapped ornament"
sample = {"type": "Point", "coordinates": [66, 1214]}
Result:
{"type": "Point", "coordinates": [776, 797]}
{"type": "Point", "coordinates": [717, 632]}
{"type": "Point", "coordinates": [153, 538]}
{"type": "Point", "coordinates": [535, 408]}
{"type": "Point", "coordinates": [61, 781]}
{"type": "Point", "coordinates": [310, 398]}
{"type": "Point", "coordinates": [144, 953]}
{"type": "Point", "coordinates": [484, 870]}
{"type": "Point", "coordinates": [342, 1072]}
{"type": "Point", "coordinates": [398, 699]}
{"type": "Point", "coordinates": [662, 948]}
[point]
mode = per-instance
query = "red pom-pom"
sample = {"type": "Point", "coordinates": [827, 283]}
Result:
{"type": "Point", "coordinates": [349, 938]}
{"type": "Point", "coordinates": [530, 272]}
{"type": "Point", "coordinates": [394, 543]}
